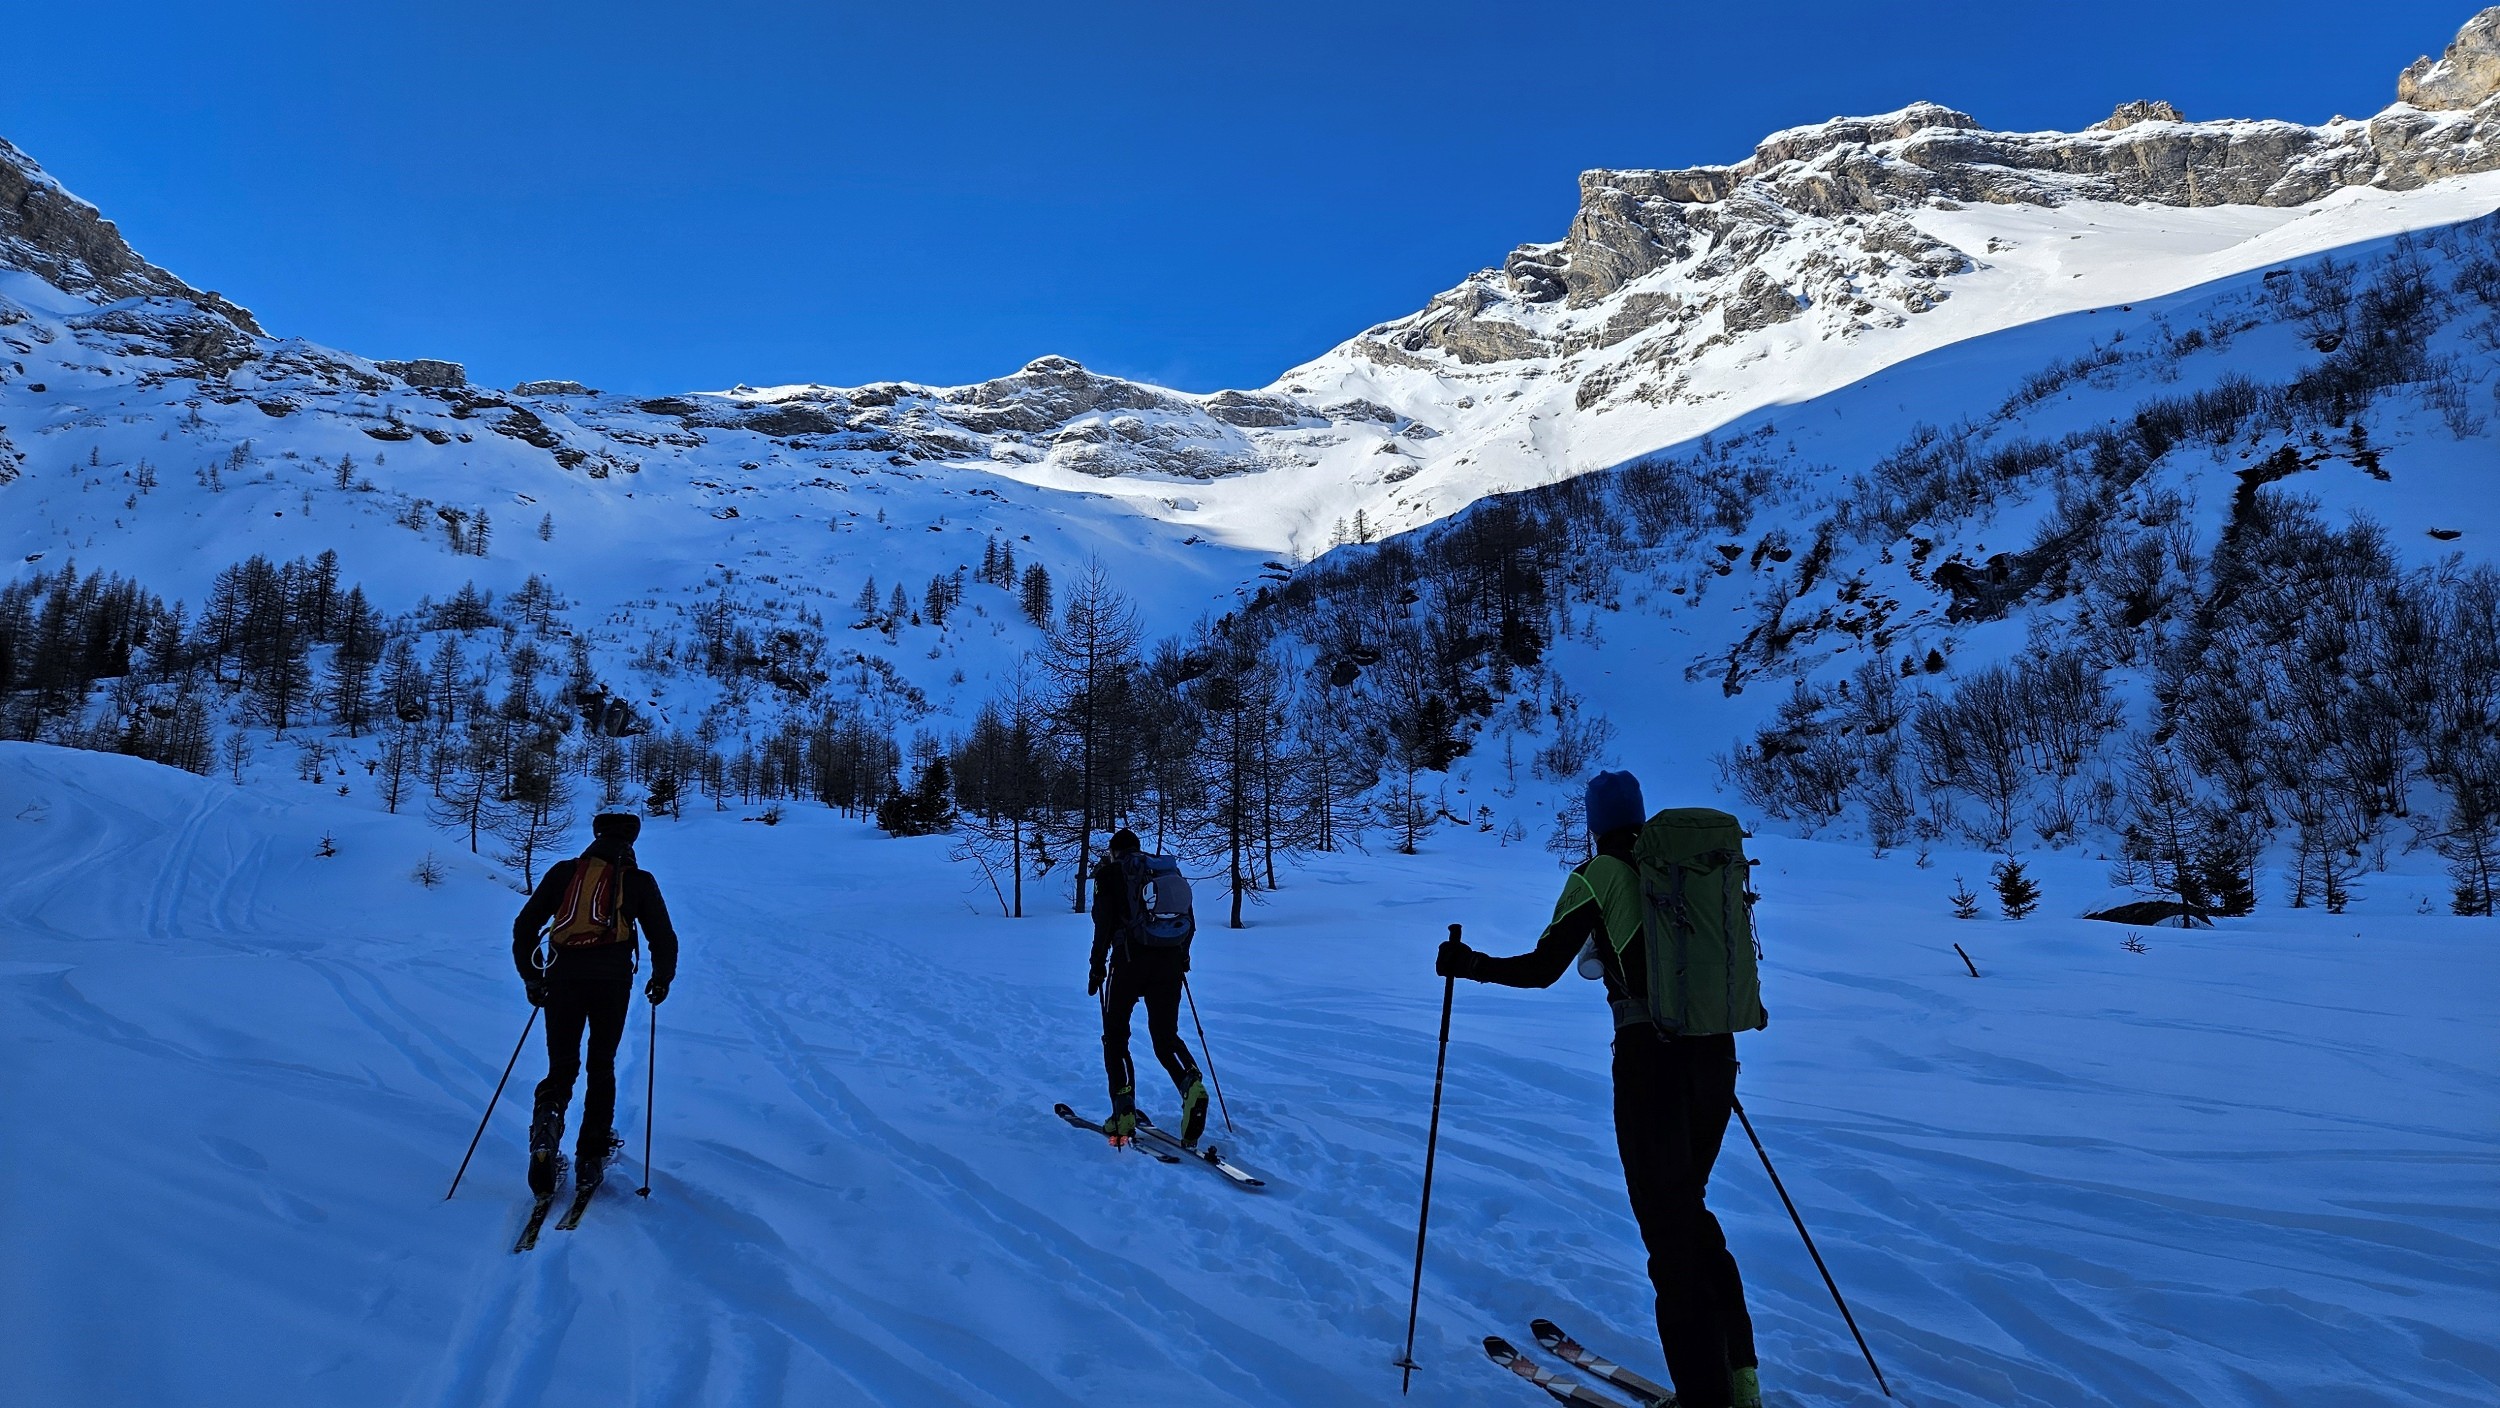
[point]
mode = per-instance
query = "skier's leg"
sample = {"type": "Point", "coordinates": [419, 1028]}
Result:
{"type": "Point", "coordinates": [1119, 998]}
{"type": "Point", "coordinates": [1163, 1028]}
{"type": "Point", "coordinates": [606, 1004]}
{"type": "Point", "coordinates": [566, 1014]}
{"type": "Point", "coordinates": [1163, 1024]}
{"type": "Point", "coordinates": [1711, 1070]}
{"type": "Point", "coordinates": [1653, 1120]}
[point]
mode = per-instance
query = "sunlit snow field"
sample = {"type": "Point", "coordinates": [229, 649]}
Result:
{"type": "Point", "coordinates": [2251, 1165]}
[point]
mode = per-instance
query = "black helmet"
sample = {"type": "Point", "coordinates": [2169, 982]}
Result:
{"type": "Point", "coordinates": [621, 827]}
{"type": "Point", "coordinates": [1124, 840]}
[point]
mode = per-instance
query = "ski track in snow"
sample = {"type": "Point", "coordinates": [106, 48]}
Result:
{"type": "Point", "coordinates": [2263, 1176]}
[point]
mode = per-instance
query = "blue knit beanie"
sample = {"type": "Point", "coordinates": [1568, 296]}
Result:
{"type": "Point", "coordinates": [1614, 802]}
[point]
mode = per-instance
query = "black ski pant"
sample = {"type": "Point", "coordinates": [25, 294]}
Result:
{"type": "Point", "coordinates": [1673, 1098]}
{"type": "Point", "coordinates": [598, 1004]}
{"type": "Point", "coordinates": [1160, 989]}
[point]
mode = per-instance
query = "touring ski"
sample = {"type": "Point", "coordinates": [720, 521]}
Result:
{"type": "Point", "coordinates": [589, 1171]}
{"type": "Point", "coordinates": [1646, 1393]}
{"type": "Point", "coordinates": [1081, 1122]}
{"type": "Point", "coordinates": [581, 1200]}
{"type": "Point", "coordinates": [1208, 1155]}
{"type": "Point", "coordinates": [538, 1219]}
{"type": "Point", "coordinates": [1562, 1390]}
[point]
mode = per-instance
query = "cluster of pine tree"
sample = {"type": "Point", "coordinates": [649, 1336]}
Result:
{"type": "Point", "coordinates": [1272, 729]}
{"type": "Point", "coordinates": [491, 715]}
{"type": "Point", "coordinates": [60, 633]}
{"type": "Point", "coordinates": [1212, 745]}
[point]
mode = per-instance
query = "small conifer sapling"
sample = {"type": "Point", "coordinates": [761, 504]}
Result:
{"type": "Point", "coordinates": [2017, 895]}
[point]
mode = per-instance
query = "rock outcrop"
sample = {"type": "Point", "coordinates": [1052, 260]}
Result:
{"type": "Point", "coordinates": [1759, 302]}
{"type": "Point", "coordinates": [1733, 232]}
{"type": "Point", "coordinates": [426, 372]}
{"type": "Point", "coordinates": [2141, 110]}
{"type": "Point", "coordinates": [2466, 76]}
{"type": "Point", "coordinates": [69, 244]}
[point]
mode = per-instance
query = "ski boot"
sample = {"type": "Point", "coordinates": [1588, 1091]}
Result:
{"type": "Point", "coordinates": [592, 1156]}
{"type": "Point", "coordinates": [1122, 1126]}
{"type": "Point", "coordinates": [1193, 1111]}
{"type": "Point", "coordinates": [1745, 1387]}
{"type": "Point", "coordinates": [546, 1156]}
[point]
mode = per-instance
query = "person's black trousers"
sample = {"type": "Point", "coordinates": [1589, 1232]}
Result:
{"type": "Point", "coordinates": [1673, 1098]}
{"type": "Point", "coordinates": [1159, 987]}
{"type": "Point", "coordinates": [600, 1005]}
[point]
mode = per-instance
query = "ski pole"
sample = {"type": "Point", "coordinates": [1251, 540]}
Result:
{"type": "Point", "coordinates": [1208, 1052]}
{"type": "Point", "coordinates": [491, 1101]}
{"type": "Point", "coordinates": [650, 1085]}
{"type": "Point", "coordinates": [1828, 1283]}
{"type": "Point", "coordinates": [1432, 1144]}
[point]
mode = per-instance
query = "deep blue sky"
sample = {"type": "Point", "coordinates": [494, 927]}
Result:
{"type": "Point", "coordinates": [655, 197]}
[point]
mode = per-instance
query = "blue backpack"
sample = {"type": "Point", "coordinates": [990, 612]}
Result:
{"type": "Point", "coordinates": [1160, 913]}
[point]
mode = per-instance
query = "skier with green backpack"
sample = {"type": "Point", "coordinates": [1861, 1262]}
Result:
{"type": "Point", "coordinates": [1663, 914]}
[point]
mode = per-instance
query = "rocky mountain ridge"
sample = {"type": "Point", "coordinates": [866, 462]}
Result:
{"type": "Point", "coordinates": [1864, 172]}
{"type": "Point", "coordinates": [1642, 326]}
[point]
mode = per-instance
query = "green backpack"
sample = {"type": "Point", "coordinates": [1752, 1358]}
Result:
{"type": "Point", "coordinates": [1697, 924]}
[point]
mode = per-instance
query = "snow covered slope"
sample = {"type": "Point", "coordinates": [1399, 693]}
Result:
{"type": "Point", "coordinates": [2083, 1178]}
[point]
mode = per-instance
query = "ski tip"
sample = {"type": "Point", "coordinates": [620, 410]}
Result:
{"type": "Point", "coordinates": [1548, 1333]}
{"type": "Point", "coordinates": [1501, 1349]}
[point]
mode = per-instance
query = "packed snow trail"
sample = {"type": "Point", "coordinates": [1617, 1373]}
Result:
{"type": "Point", "coordinates": [2255, 1165]}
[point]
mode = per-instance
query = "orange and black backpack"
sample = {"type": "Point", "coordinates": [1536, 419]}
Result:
{"type": "Point", "coordinates": [593, 911]}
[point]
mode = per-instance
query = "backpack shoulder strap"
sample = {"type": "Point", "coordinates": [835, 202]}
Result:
{"type": "Point", "coordinates": [1616, 884]}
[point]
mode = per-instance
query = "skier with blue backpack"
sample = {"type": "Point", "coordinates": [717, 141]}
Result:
{"type": "Point", "coordinates": [1143, 923]}
{"type": "Point", "coordinates": [1663, 914]}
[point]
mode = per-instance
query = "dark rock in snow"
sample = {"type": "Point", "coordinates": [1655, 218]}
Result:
{"type": "Point", "coordinates": [2155, 912]}
{"type": "Point", "coordinates": [427, 372]}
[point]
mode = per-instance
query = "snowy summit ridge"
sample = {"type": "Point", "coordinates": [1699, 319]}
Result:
{"type": "Point", "coordinates": [1677, 300]}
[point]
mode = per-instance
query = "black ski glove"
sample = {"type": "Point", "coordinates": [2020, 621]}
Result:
{"type": "Point", "coordinates": [1456, 960]}
{"type": "Point", "coordinates": [656, 990]}
{"type": "Point", "coordinates": [1093, 980]}
{"type": "Point", "coordinates": [537, 990]}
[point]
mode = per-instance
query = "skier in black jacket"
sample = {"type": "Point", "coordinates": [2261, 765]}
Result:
{"type": "Point", "coordinates": [573, 944]}
{"type": "Point", "coordinates": [1673, 1098]}
{"type": "Point", "coordinates": [1124, 971]}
